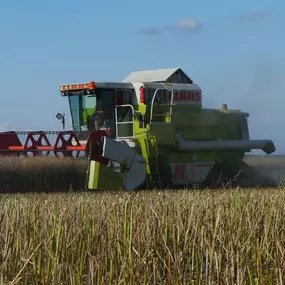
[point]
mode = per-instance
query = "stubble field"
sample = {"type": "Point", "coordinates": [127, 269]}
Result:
{"type": "Point", "coordinates": [233, 236]}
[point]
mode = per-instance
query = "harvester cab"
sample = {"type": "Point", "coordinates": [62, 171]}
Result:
{"type": "Point", "coordinates": [103, 116]}
{"type": "Point", "coordinates": [104, 106]}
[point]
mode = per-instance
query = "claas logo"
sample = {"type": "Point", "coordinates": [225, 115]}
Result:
{"type": "Point", "coordinates": [187, 96]}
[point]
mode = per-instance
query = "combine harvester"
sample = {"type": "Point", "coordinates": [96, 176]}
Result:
{"type": "Point", "coordinates": [148, 131]}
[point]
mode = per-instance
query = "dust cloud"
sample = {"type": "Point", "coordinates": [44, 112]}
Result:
{"type": "Point", "coordinates": [265, 102]}
{"type": "Point", "coordinates": [270, 168]}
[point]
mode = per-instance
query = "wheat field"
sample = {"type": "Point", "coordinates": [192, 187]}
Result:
{"type": "Point", "coordinates": [156, 237]}
{"type": "Point", "coordinates": [50, 174]}
{"type": "Point", "coordinates": [41, 174]}
{"type": "Point", "coordinates": [225, 236]}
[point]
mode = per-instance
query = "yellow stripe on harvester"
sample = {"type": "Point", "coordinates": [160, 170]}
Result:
{"type": "Point", "coordinates": [93, 175]}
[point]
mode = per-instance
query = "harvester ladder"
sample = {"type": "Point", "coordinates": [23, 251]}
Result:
{"type": "Point", "coordinates": [153, 175]}
{"type": "Point", "coordinates": [169, 113]}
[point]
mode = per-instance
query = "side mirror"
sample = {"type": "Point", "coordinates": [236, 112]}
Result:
{"type": "Point", "coordinates": [61, 117]}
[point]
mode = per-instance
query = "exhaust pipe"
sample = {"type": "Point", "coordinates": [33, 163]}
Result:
{"type": "Point", "coordinates": [266, 145]}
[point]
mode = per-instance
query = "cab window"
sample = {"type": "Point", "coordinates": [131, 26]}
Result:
{"type": "Point", "coordinates": [123, 97]}
{"type": "Point", "coordinates": [162, 96]}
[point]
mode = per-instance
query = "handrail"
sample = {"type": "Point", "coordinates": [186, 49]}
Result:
{"type": "Point", "coordinates": [170, 105]}
{"type": "Point", "coordinates": [128, 122]}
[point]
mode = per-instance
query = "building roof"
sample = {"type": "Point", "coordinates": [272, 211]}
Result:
{"type": "Point", "coordinates": [155, 75]}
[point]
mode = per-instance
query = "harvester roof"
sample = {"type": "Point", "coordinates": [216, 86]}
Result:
{"type": "Point", "coordinates": [171, 75]}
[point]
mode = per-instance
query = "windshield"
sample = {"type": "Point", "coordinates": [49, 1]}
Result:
{"type": "Point", "coordinates": [81, 107]}
{"type": "Point", "coordinates": [85, 108]}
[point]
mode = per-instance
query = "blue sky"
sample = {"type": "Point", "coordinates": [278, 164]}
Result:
{"type": "Point", "coordinates": [235, 51]}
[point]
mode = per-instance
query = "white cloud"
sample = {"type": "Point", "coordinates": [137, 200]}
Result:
{"type": "Point", "coordinates": [191, 24]}
{"type": "Point", "coordinates": [187, 24]}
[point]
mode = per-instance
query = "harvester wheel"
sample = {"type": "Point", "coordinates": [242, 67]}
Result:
{"type": "Point", "coordinates": [223, 175]}
{"type": "Point", "coordinates": [165, 172]}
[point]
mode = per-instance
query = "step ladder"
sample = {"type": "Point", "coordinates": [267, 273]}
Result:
{"type": "Point", "coordinates": [153, 176]}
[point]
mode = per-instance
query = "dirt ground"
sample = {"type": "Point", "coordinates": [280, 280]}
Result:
{"type": "Point", "coordinates": [271, 167]}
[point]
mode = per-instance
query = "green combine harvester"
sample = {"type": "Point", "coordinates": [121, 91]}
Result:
{"type": "Point", "coordinates": [151, 131]}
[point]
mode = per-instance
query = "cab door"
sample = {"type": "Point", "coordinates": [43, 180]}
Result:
{"type": "Point", "coordinates": [124, 113]}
